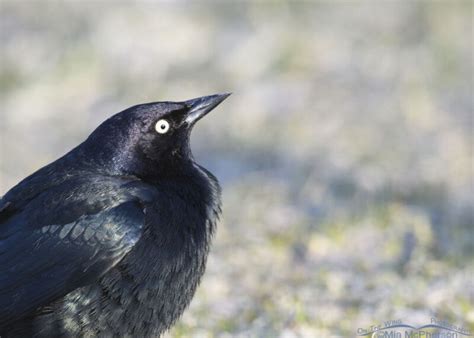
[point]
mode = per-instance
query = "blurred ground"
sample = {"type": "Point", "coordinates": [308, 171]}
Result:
{"type": "Point", "coordinates": [345, 153]}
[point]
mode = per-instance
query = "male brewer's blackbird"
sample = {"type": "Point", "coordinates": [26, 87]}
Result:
{"type": "Point", "coordinates": [112, 238]}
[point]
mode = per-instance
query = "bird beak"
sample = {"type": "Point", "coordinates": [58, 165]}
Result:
{"type": "Point", "coordinates": [200, 106]}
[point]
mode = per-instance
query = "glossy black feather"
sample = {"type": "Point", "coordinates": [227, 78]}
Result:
{"type": "Point", "coordinates": [112, 238]}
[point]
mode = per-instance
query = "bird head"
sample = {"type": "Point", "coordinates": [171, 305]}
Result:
{"type": "Point", "coordinates": [148, 139]}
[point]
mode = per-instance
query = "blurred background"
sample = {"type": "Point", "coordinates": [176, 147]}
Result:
{"type": "Point", "coordinates": [345, 152]}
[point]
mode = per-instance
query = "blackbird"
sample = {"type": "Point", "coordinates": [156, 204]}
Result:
{"type": "Point", "coordinates": [111, 239]}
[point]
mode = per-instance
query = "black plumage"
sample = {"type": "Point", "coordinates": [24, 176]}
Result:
{"type": "Point", "coordinates": [112, 238]}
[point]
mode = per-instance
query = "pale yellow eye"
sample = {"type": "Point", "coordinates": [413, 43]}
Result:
{"type": "Point", "coordinates": [162, 126]}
